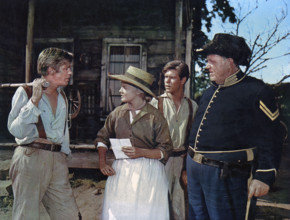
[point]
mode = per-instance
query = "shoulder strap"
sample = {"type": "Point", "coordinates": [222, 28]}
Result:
{"type": "Point", "coordinates": [39, 124]}
{"type": "Point", "coordinates": [160, 104]}
{"type": "Point", "coordinates": [66, 104]}
{"type": "Point", "coordinates": [189, 123]}
{"type": "Point", "coordinates": [64, 96]}
{"type": "Point", "coordinates": [28, 91]}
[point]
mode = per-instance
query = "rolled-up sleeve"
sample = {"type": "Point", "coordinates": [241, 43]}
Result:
{"type": "Point", "coordinates": [163, 139]}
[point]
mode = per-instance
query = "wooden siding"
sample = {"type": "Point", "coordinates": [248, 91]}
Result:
{"type": "Point", "coordinates": [87, 25]}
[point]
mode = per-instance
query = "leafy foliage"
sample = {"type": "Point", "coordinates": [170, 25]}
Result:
{"type": "Point", "coordinates": [202, 13]}
{"type": "Point", "coordinates": [261, 43]}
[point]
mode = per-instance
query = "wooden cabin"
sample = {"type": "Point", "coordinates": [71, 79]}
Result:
{"type": "Point", "coordinates": [105, 37]}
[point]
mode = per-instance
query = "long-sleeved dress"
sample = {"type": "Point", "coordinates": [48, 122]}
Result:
{"type": "Point", "coordinates": [139, 189]}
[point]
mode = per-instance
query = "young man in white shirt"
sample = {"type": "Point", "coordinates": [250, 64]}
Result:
{"type": "Point", "coordinates": [38, 121]}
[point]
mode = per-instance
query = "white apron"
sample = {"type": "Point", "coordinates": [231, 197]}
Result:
{"type": "Point", "coordinates": [138, 190]}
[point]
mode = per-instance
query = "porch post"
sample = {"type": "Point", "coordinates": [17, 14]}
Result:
{"type": "Point", "coordinates": [29, 40]}
{"type": "Point", "coordinates": [188, 57]}
{"type": "Point", "coordinates": [178, 29]}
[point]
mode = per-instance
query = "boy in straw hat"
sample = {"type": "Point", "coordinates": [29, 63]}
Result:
{"type": "Point", "coordinates": [137, 186]}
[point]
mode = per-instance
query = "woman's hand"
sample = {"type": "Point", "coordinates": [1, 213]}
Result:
{"type": "Point", "coordinates": [133, 152]}
{"type": "Point", "coordinates": [136, 152]}
{"type": "Point", "coordinates": [107, 169]}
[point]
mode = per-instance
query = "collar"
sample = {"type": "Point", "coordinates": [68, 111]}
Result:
{"type": "Point", "coordinates": [232, 79]}
{"type": "Point", "coordinates": [165, 95]}
{"type": "Point", "coordinates": [59, 89]}
{"type": "Point", "coordinates": [143, 111]}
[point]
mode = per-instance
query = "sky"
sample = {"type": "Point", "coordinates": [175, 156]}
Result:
{"type": "Point", "coordinates": [260, 22]}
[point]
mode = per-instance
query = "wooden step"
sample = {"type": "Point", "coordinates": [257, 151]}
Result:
{"type": "Point", "coordinates": [83, 156]}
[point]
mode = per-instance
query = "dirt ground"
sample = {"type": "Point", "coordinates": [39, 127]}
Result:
{"type": "Point", "coordinates": [89, 194]}
{"type": "Point", "coordinates": [88, 187]}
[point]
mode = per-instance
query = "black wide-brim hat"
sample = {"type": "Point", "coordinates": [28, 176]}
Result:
{"type": "Point", "coordinates": [229, 46]}
{"type": "Point", "coordinates": [138, 78]}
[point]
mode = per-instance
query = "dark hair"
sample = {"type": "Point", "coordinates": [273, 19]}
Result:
{"type": "Point", "coordinates": [52, 57]}
{"type": "Point", "coordinates": [179, 66]}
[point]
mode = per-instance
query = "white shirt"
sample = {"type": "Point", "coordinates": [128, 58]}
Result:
{"type": "Point", "coordinates": [176, 119]}
{"type": "Point", "coordinates": [24, 114]}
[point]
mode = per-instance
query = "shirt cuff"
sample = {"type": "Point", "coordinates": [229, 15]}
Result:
{"type": "Point", "coordinates": [266, 176]}
{"type": "Point", "coordinates": [162, 155]}
{"type": "Point", "coordinates": [100, 144]}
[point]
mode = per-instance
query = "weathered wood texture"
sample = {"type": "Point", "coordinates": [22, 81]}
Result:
{"type": "Point", "coordinates": [88, 160]}
{"type": "Point", "coordinates": [83, 156]}
{"type": "Point", "coordinates": [85, 26]}
{"type": "Point", "coordinates": [29, 40]}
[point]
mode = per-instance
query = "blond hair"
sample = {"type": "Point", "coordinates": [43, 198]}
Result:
{"type": "Point", "coordinates": [52, 57]}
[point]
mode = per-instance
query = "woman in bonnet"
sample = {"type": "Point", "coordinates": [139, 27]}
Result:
{"type": "Point", "coordinates": [137, 186]}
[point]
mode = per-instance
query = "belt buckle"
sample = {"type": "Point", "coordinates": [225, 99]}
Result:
{"type": "Point", "coordinates": [198, 158]}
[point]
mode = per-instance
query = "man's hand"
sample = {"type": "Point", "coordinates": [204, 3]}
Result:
{"type": "Point", "coordinates": [257, 188]}
{"type": "Point", "coordinates": [183, 179]}
{"type": "Point", "coordinates": [37, 90]}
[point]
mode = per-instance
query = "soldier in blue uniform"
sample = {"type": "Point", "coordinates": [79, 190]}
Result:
{"type": "Point", "coordinates": [235, 141]}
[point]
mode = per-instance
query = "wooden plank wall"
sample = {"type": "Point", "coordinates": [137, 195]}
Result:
{"type": "Point", "coordinates": [12, 67]}
{"type": "Point", "coordinates": [88, 35]}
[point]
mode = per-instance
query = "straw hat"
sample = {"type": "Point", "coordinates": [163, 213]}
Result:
{"type": "Point", "coordinates": [229, 46]}
{"type": "Point", "coordinates": [138, 78]}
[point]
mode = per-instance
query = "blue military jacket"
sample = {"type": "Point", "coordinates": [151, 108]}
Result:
{"type": "Point", "coordinates": [241, 114]}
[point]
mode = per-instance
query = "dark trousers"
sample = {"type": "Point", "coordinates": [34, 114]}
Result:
{"type": "Point", "coordinates": [211, 197]}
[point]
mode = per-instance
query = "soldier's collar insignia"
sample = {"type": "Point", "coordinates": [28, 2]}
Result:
{"type": "Point", "coordinates": [234, 79]}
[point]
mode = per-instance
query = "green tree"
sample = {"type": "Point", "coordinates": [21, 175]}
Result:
{"type": "Point", "coordinates": [202, 12]}
{"type": "Point", "coordinates": [260, 43]}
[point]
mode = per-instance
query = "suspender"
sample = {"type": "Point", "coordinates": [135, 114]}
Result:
{"type": "Point", "coordinates": [39, 124]}
{"type": "Point", "coordinates": [189, 122]}
{"type": "Point", "coordinates": [160, 104]}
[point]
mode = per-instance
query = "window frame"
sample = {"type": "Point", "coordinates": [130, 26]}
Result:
{"type": "Point", "coordinates": [107, 44]}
